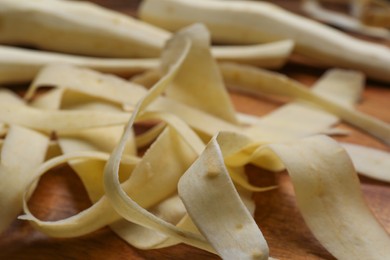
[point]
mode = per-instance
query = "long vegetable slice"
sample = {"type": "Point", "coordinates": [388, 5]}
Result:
{"type": "Point", "coordinates": [329, 198]}
{"type": "Point", "coordinates": [123, 204]}
{"type": "Point", "coordinates": [48, 120]}
{"type": "Point", "coordinates": [205, 75]}
{"type": "Point", "coordinates": [20, 144]}
{"type": "Point", "coordinates": [298, 119]}
{"type": "Point", "coordinates": [253, 22]}
{"type": "Point", "coordinates": [253, 79]}
{"type": "Point", "coordinates": [19, 65]}
{"type": "Point", "coordinates": [370, 162]}
{"type": "Point", "coordinates": [217, 210]}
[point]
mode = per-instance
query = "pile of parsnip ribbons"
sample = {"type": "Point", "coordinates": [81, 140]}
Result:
{"type": "Point", "coordinates": [190, 185]}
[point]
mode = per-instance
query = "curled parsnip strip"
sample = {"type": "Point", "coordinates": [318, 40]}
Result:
{"type": "Point", "coordinates": [120, 201]}
{"type": "Point", "coordinates": [315, 10]}
{"type": "Point", "coordinates": [19, 65]}
{"type": "Point", "coordinates": [88, 82]}
{"type": "Point", "coordinates": [329, 197]}
{"type": "Point", "coordinates": [90, 172]}
{"type": "Point", "coordinates": [78, 27]}
{"type": "Point", "coordinates": [255, 80]}
{"type": "Point", "coordinates": [140, 186]}
{"type": "Point", "coordinates": [49, 120]}
{"type": "Point", "coordinates": [370, 162]}
{"type": "Point", "coordinates": [298, 119]}
{"type": "Point", "coordinates": [20, 145]}
{"type": "Point", "coordinates": [217, 210]}
{"type": "Point", "coordinates": [84, 222]}
{"type": "Point", "coordinates": [71, 226]}
{"type": "Point", "coordinates": [254, 22]}
{"type": "Point", "coordinates": [204, 89]}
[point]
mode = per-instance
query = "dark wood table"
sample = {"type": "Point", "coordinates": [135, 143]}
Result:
{"type": "Point", "coordinates": [61, 194]}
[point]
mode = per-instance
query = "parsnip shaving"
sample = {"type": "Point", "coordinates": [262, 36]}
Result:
{"type": "Point", "coordinates": [58, 120]}
{"type": "Point", "coordinates": [343, 87]}
{"type": "Point", "coordinates": [253, 79]}
{"type": "Point", "coordinates": [122, 203]}
{"type": "Point", "coordinates": [217, 210]}
{"type": "Point", "coordinates": [205, 75]}
{"type": "Point", "coordinates": [89, 82]}
{"type": "Point", "coordinates": [329, 198]}
{"type": "Point", "coordinates": [159, 87]}
{"type": "Point", "coordinates": [19, 65]}
{"type": "Point", "coordinates": [15, 176]}
{"type": "Point", "coordinates": [84, 222]}
{"type": "Point", "coordinates": [370, 162]}
{"type": "Point", "coordinates": [249, 22]}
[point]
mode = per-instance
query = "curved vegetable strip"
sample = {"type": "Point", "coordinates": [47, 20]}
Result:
{"type": "Point", "coordinates": [123, 204]}
{"type": "Point", "coordinates": [329, 198]}
{"type": "Point", "coordinates": [48, 120]}
{"type": "Point", "coordinates": [24, 145]}
{"type": "Point", "coordinates": [217, 210]}
{"type": "Point", "coordinates": [370, 162]}
{"type": "Point", "coordinates": [88, 82]}
{"type": "Point", "coordinates": [247, 22]}
{"type": "Point", "coordinates": [195, 239]}
{"type": "Point", "coordinates": [78, 27]}
{"type": "Point", "coordinates": [198, 82]}
{"type": "Point", "coordinates": [255, 80]}
{"type": "Point", "coordinates": [298, 119]}
{"type": "Point", "coordinates": [90, 172]}
{"type": "Point", "coordinates": [19, 65]}
{"type": "Point", "coordinates": [86, 221]}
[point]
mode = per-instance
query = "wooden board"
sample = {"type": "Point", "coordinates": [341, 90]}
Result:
{"type": "Point", "coordinates": [61, 194]}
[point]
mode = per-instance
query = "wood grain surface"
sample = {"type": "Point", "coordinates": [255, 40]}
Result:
{"type": "Point", "coordinates": [61, 194]}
